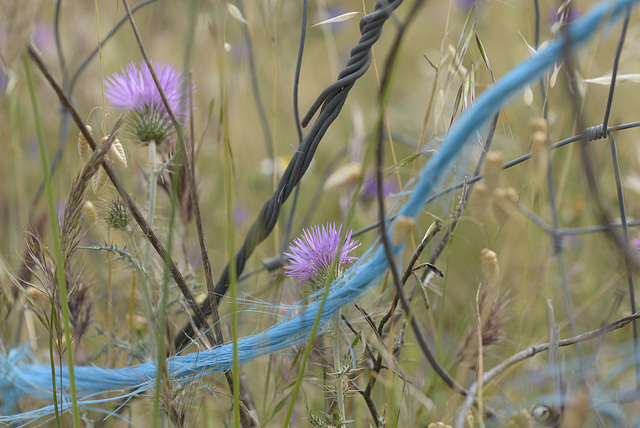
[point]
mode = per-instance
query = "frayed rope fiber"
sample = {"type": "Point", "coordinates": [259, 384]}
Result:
{"type": "Point", "coordinates": [19, 380]}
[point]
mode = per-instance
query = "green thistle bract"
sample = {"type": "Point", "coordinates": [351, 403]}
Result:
{"type": "Point", "coordinates": [117, 215]}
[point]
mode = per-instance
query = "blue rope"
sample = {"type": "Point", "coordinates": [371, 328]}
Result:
{"type": "Point", "coordinates": [19, 380]}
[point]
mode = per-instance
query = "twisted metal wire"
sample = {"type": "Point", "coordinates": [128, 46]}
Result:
{"type": "Point", "coordinates": [331, 100]}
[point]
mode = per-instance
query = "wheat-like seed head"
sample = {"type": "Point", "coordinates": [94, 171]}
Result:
{"type": "Point", "coordinates": [504, 203]}
{"type": "Point", "coordinates": [492, 170]}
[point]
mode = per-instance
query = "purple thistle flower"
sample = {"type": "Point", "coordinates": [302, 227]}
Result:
{"type": "Point", "coordinates": [313, 255]}
{"type": "Point", "coordinates": [636, 244]}
{"type": "Point", "coordinates": [134, 90]}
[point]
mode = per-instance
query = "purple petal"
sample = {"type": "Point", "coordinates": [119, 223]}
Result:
{"type": "Point", "coordinates": [312, 254]}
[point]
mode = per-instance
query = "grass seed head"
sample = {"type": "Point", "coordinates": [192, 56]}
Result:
{"type": "Point", "coordinates": [538, 124]}
{"type": "Point", "coordinates": [84, 149]}
{"type": "Point", "coordinates": [490, 266]}
{"type": "Point", "coordinates": [344, 177]}
{"type": "Point", "coordinates": [492, 170]}
{"type": "Point", "coordinates": [479, 199]}
{"type": "Point", "coordinates": [90, 211]}
{"type": "Point", "coordinates": [116, 153]}
{"type": "Point", "coordinates": [504, 203]}
{"type": "Point", "coordinates": [98, 180]}
{"type": "Point", "coordinates": [539, 154]}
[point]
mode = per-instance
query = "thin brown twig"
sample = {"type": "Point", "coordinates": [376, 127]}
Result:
{"type": "Point", "coordinates": [206, 262]}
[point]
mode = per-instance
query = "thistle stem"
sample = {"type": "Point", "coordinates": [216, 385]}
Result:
{"type": "Point", "coordinates": [337, 365]}
{"type": "Point", "coordinates": [156, 338]}
{"type": "Point", "coordinates": [151, 209]}
{"type": "Point", "coordinates": [153, 185]}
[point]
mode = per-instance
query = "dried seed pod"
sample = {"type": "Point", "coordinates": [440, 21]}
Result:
{"type": "Point", "coordinates": [528, 96]}
{"type": "Point", "coordinates": [344, 177]}
{"type": "Point", "coordinates": [539, 154]}
{"type": "Point", "coordinates": [90, 211]}
{"type": "Point", "coordinates": [403, 227]}
{"type": "Point", "coordinates": [98, 180]}
{"type": "Point", "coordinates": [84, 149]}
{"type": "Point", "coordinates": [504, 202]}
{"type": "Point", "coordinates": [492, 170]}
{"type": "Point", "coordinates": [116, 153]}
{"type": "Point", "coordinates": [490, 266]}
{"type": "Point", "coordinates": [479, 199]}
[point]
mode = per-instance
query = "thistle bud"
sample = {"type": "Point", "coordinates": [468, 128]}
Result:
{"type": "Point", "coordinates": [504, 202]}
{"type": "Point", "coordinates": [117, 215]}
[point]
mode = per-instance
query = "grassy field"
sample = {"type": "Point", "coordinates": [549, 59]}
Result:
{"type": "Point", "coordinates": [542, 250]}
